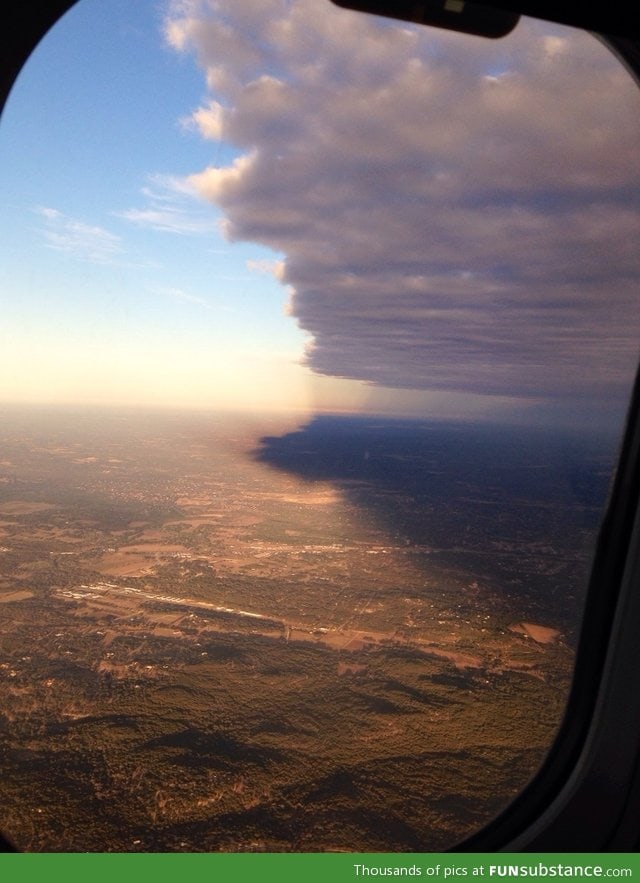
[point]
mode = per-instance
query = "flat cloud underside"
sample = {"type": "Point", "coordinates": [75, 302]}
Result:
{"type": "Point", "coordinates": [454, 213]}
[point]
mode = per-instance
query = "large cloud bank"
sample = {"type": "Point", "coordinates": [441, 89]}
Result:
{"type": "Point", "coordinates": [455, 214]}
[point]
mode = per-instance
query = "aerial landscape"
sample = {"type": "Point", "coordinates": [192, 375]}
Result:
{"type": "Point", "coordinates": [318, 336]}
{"type": "Point", "coordinates": [356, 634]}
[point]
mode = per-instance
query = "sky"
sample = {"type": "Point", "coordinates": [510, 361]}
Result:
{"type": "Point", "coordinates": [265, 204]}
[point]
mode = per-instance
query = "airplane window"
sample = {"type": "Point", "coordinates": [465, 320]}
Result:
{"type": "Point", "coordinates": [318, 335]}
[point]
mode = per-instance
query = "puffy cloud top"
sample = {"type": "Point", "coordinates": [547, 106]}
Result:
{"type": "Point", "coordinates": [455, 213]}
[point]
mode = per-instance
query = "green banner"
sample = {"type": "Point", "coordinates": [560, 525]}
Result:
{"type": "Point", "coordinates": [315, 868]}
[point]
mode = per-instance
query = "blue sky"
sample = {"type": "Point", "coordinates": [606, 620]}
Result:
{"type": "Point", "coordinates": [283, 205]}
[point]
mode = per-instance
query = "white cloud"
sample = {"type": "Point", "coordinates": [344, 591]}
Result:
{"type": "Point", "coordinates": [171, 207]}
{"type": "Point", "coordinates": [180, 295]}
{"type": "Point", "coordinates": [274, 268]}
{"type": "Point", "coordinates": [214, 182]}
{"type": "Point", "coordinates": [209, 121]}
{"type": "Point", "coordinates": [50, 214]}
{"type": "Point", "coordinates": [83, 241]}
{"type": "Point", "coordinates": [168, 220]}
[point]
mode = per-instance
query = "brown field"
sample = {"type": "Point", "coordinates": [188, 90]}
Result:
{"type": "Point", "coordinates": [19, 507]}
{"type": "Point", "coordinates": [541, 634]}
{"type": "Point", "coordinates": [20, 595]}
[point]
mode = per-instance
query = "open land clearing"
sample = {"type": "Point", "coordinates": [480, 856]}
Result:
{"type": "Point", "coordinates": [149, 611]}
